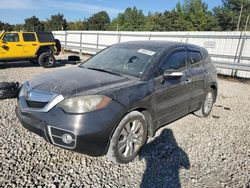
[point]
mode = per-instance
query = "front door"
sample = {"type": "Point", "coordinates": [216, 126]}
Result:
{"type": "Point", "coordinates": [173, 94]}
{"type": "Point", "coordinates": [11, 46]}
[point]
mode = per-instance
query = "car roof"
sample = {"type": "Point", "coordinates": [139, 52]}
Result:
{"type": "Point", "coordinates": [157, 44]}
{"type": "Point", "coordinates": [38, 32]}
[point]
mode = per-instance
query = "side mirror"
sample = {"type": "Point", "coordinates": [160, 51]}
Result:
{"type": "Point", "coordinates": [172, 74]}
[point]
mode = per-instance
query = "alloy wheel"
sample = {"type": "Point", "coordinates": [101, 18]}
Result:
{"type": "Point", "coordinates": [208, 103]}
{"type": "Point", "coordinates": [49, 61]}
{"type": "Point", "coordinates": [130, 138]}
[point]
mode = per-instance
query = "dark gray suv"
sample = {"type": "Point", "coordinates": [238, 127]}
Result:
{"type": "Point", "coordinates": [118, 98]}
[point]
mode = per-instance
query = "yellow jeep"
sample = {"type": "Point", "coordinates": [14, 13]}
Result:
{"type": "Point", "coordinates": [29, 46]}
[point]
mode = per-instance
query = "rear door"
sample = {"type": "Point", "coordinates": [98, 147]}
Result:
{"type": "Point", "coordinates": [197, 73]}
{"type": "Point", "coordinates": [11, 46]}
{"type": "Point", "coordinates": [172, 98]}
{"type": "Point", "coordinates": [30, 44]}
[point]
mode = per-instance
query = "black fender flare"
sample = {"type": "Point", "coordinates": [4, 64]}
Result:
{"type": "Point", "coordinates": [43, 49]}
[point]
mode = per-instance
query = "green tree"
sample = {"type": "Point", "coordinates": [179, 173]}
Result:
{"type": "Point", "coordinates": [99, 21]}
{"type": "Point", "coordinates": [130, 20]}
{"type": "Point", "coordinates": [56, 22]}
{"type": "Point", "coordinates": [78, 25]}
{"type": "Point", "coordinates": [191, 16]}
{"type": "Point", "coordinates": [18, 27]}
{"type": "Point", "coordinates": [228, 14]}
{"type": "Point", "coordinates": [212, 24]}
{"type": "Point", "coordinates": [175, 21]}
{"type": "Point", "coordinates": [168, 21]}
{"type": "Point", "coordinates": [33, 24]}
{"type": "Point", "coordinates": [155, 22]}
{"type": "Point", "coordinates": [1, 25]}
{"type": "Point", "coordinates": [5, 27]}
{"type": "Point", "coordinates": [196, 12]}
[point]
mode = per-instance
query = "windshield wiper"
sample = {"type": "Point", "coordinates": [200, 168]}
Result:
{"type": "Point", "coordinates": [103, 70]}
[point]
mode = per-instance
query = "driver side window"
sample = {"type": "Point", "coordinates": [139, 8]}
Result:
{"type": "Point", "coordinates": [175, 61]}
{"type": "Point", "coordinates": [11, 37]}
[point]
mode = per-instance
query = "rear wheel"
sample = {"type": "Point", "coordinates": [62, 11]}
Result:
{"type": "Point", "coordinates": [128, 138]}
{"type": "Point", "coordinates": [46, 60]}
{"type": "Point", "coordinates": [207, 104]}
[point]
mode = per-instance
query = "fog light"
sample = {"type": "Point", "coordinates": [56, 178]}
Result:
{"type": "Point", "coordinates": [67, 138]}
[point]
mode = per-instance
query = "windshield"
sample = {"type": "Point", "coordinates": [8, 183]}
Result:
{"type": "Point", "coordinates": [122, 59]}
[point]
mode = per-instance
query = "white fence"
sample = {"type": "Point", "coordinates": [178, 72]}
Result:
{"type": "Point", "coordinates": [229, 50]}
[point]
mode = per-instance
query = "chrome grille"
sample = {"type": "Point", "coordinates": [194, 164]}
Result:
{"type": "Point", "coordinates": [35, 100]}
{"type": "Point", "coordinates": [34, 104]}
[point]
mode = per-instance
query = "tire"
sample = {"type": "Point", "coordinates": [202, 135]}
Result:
{"type": "Point", "coordinates": [134, 125]}
{"type": "Point", "coordinates": [74, 58]}
{"type": "Point", "coordinates": [46, 60]}
{"type": "Point", "coordinates": [208, 99]}
{"type": "Point", "coordinates": [58, 46]}
{"type": "Point", "coordinates": [9, 90]}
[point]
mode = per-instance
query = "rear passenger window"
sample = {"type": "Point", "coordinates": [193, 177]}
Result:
{"type": "Point", "coordinates": [195, 59]}
{"type": "Point", "coordinates": [176, 61]}
{"type": "Point", "coordinates": [29, 37]}
{"type": "Point", "coordinates": [45, 37]}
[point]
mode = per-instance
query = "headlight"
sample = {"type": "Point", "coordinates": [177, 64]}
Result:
{"type": "Point", "coordinates": [84, 104]}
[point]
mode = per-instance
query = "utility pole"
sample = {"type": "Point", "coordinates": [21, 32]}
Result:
{"type": "Point", "coordinates": [242, 44]}
{"type": "Point", "coordinates": [238, 25]}
{"type": "Point", "coordinates": [117, 27]}
{"type": "Point", "coordinates": [246, 24]}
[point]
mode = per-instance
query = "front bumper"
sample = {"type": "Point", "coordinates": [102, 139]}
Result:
{"type": "Point", "coordinates": [90, 131]}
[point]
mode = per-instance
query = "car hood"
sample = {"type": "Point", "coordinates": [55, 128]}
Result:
{"type": "Point", "coordinates": [76, 81]}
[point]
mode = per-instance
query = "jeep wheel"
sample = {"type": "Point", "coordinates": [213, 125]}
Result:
{"type": "Point", "coordinates": [128, 138]}
{"type": "Point", "coordinates": [46, 60]}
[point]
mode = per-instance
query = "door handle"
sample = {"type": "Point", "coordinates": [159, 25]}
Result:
{"type": "Point", "coordinates": [34, 44]}
{"type": "Point", "coordinates": [18, 45]}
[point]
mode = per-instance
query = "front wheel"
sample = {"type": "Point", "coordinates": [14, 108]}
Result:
{"type": "Point", "coordinates": [207, 104]}
{"type": "Point", "coordinates": [46, 60]}
{"type": "Point", "coordinates": [128, 138]}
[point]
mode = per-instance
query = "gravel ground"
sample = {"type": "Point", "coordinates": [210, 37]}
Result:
{"type": "Point", "coordinates": [191, 152]}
